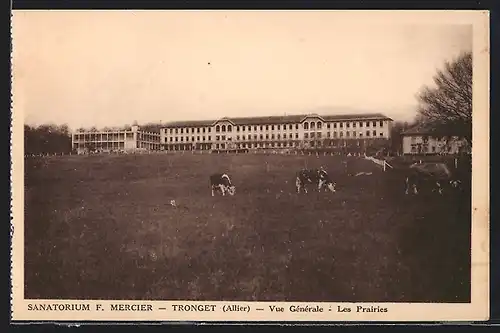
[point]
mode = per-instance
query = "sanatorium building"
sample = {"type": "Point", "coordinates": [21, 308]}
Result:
{"type": "Point", "coordinates": [274, 132]}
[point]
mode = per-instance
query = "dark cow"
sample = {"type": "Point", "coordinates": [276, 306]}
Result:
{"type": "Point", "coordinates": [221, 182]}
{"type": "Point", "coordinates": [429, 177]}
{"type": "Point", "coordinates": [314, 177]}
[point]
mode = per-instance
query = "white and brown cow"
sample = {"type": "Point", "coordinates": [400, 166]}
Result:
{"type": "Point", "coordinates": [319, 179]}
{"type": "Point", "coordinates": [429, 177]}
{"type": "Point", "coordinates": [221, 182]}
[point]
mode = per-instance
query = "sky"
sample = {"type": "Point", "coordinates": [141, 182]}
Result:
{"type": "Point", "coordinates": [111, 68]}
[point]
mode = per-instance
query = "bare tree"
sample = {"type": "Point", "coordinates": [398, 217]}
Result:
{"type": "Point", "coordinates": [447, 107]}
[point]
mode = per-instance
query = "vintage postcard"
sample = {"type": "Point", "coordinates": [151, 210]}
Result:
{"type": "Point", "coordinates": [250, 166]}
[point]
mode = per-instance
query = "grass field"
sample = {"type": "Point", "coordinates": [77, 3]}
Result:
{"type": "Point", "coordinates": [102, 227]}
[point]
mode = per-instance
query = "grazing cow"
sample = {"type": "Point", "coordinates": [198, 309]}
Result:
{"type": "Point", "coordinates": [318, 178]}
{"type": "Point", "coordinates": [417, 183]}
{"type": "Point", "coordinates": [221, 182]}
{"type": "Point", "coordinates": [429, 177]}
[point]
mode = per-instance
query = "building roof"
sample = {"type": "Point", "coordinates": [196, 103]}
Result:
{"type": "Point", "coordinates": [419, 129]}
{"type": "Point", "coordinates": [277, 119]}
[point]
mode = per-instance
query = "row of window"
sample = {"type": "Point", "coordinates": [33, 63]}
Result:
{"type": "Point", "coordinates": [317, 135]}
{"type": "Point", "coordinates": [243, 128]}
{"type": "Point", "coordinates": [115, 137]}
{"type": "Point", "coordinates": [244, 145]}
{"type": "Point", "coordinates": [414, 149]}
{"type": "Point", "coordinates": [110, 135]}
{"type": "Point", "coordinates": [101, 137]}
{"type": "Point", "coordinates": [341, 134]}
{"type": "Point", "coordinates": [318, 125]}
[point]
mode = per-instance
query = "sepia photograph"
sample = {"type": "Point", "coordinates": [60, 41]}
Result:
{"type": "Point", "coordinates": [303, 161]}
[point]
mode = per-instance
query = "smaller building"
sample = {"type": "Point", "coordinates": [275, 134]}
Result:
{"type": "Point", "coordinates": [418, 140]}
{"type": "Point", "coordinates": [131, 139]}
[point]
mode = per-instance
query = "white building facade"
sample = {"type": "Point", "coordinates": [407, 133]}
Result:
{"type": "Point", "coordinates": [419, 141]}
{"type": "Point", "coordinates": [276, 132]}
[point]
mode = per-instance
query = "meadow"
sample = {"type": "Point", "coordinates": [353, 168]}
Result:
{"type": "Point", "coordinates": [103, 227]}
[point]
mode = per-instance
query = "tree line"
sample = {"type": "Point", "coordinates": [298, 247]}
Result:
{"type": "Point", "coordinates": [47, 139]}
